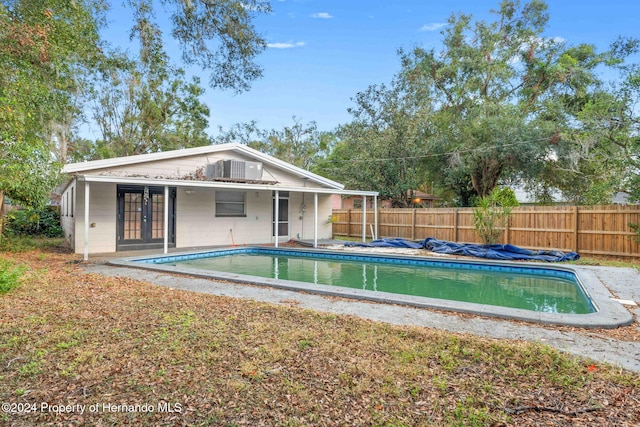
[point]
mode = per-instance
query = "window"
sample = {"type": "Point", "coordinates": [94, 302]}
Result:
{"type": "Point", "coordinates": [230, 203]}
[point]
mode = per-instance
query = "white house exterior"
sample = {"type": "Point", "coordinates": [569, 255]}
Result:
{"type": "Point", "coordinates": [226, 194]}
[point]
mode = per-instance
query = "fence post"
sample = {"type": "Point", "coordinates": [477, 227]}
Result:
{"type": "Point", "coordinates": [349, 223]}
{"type": "Point", "coordinates": [455, 224]}
{"type": "Point", "coordinates": [575, 229]}
{"type": "Point", "coordinates": [413, 224]}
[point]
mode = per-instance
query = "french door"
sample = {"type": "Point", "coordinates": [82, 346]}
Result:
{"type": "Point", "coordinates": [140, 221]}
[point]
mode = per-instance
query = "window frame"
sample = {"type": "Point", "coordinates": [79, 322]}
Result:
{"type": "Point", "coordinates": [232, 213]}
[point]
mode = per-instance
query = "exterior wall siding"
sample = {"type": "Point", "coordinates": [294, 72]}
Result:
{"type": "Point", "coordinates": [301, 223]}
{"type": "Point", "coordinates": [67, 213]}
{"type": "Point", "coordinates": [196, 223]}
{"type": "Point", "coordinates": [102, 213]}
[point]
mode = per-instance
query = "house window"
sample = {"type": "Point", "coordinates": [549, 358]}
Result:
{"type": "Point", "coordinates": [230, 203]}
{"type": "Point", "coordinates": [357, 203]}
{"type": "Point", "coordinates": [70, 211]}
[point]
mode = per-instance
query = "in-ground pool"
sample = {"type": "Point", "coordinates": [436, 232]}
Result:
{"type": "Point", "coordinates": [550, 294]}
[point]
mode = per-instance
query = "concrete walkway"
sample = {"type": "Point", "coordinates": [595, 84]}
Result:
{"type": "Point", "coordinates": [624, 283]}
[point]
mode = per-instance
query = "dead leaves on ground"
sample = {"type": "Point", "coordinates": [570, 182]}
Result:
{"type": "Point", "coordinates": [69, 338]}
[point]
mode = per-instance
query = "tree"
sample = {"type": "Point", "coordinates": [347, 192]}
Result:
{"type": "Point", "coordinates": [300, 144]}
{"type": "Point", "coordinates": [596, 146]}
{"type": "Point", "coordinates": [142, 107]}
{"type": "Point", "coordinates": [382, 148]}
{"type": "Point", "coordinates": [49, 47]}
{"type": "Point", "coordinates": [501, 93]}
{"type": "Point", "coordinates": [45, 47]}
{"type": "Point", "coordinates": [145, 104]}
{"type": "Point", "coordinates": [218, 36]}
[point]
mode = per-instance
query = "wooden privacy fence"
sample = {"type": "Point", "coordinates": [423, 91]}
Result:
{"type": "Point", "coordinates": [588, 230]}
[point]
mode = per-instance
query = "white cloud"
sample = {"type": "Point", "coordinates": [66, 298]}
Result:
{"type": "Point", "coordinates": [287, 45]}
{"type": "Point", "coordinates": [322, 15]}
{"type": "Point", "coordinates": [432, 27]}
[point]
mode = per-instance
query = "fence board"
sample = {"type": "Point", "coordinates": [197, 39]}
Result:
{"type": "Point", "coordinates": [596, 230]}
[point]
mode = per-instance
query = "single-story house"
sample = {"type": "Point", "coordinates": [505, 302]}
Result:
{"type": "Point", "coordinates": [225, 194]}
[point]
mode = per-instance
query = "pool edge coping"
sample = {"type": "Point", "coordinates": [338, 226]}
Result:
{"type": "Point", "coordinates": [609, 315]}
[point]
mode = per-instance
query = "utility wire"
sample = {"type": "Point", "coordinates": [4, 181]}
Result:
{"type": "Point", "coordinates": [469, 150]}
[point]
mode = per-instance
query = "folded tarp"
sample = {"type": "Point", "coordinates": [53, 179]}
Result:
{"type": "Point", "coordinates": [503, 252]}
{"type": "Point", "coordinates": [388, 243]}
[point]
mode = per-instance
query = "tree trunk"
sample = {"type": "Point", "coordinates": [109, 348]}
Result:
{"type": "Point", "coordinates": [485, 176]}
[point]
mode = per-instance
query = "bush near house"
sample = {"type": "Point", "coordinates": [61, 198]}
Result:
{"type": "Point", "coordinates": [34, 222]}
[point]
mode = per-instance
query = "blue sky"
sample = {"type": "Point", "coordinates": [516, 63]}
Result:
{"type": "Point", "coordinates": [323, 52]}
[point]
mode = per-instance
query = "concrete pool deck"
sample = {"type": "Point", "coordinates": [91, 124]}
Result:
{"type": "Point", "coordinates": [624, 283]}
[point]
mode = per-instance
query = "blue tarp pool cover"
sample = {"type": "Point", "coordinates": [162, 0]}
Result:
{"type": "Point", "coordinates": [502, 252]}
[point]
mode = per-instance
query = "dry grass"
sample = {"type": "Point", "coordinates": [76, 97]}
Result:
{"type": "Point", "coordinates": [70, 338]}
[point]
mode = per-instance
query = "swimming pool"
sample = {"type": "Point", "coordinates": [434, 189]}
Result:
{"type": "Point", "coordinates": [527, 291]}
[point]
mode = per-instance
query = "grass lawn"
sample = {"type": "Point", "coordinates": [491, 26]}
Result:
{"type": "Point", "coordinates": [127, 352]}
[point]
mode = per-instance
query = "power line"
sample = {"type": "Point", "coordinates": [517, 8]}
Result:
{"type": "Point", "coordinates": [424, 156]}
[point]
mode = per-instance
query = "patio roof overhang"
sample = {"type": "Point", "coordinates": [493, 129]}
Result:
{"type": "Point", "coordinates": [166, 183]}
{"type": "Point", "coordinates": [221, 184]}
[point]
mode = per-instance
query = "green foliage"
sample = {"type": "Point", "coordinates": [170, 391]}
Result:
{"type": "Point", "coordinates": [382, 148]}
{"type": "Point", "coordinates": [53, 62]}
{"type": "Point", "coordinates": [9, 276]}
{"type": "Point", "coordinates": [499, 103]}
{"type": "Point", "coordinates": [45, 49]}
{"type": "Point", "coordinates": [34, 222]}
{"type": "Point", "coordinates": [491, 216]}
{"type": "Point", "coordinates": [300, 144]}
{"type": "Point", "coordinates": [143, 107]}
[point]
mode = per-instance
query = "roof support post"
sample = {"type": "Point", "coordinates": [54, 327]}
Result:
{"type": "Point", "coordinates": [86, 221]}
{"type": "Point", "coordinates": [276, 217]}
{"type": "Point", "coordinates": [364, 219]}
{"type": "Point", "coordinates": [165, 231]}
{"type": "Point", "coordinates": [315, 220]}
{"type": "Point", "coordinates": [375, 217]}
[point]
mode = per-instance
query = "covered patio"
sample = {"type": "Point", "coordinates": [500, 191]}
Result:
{"type": "Point", "coordinates": [187, 186]}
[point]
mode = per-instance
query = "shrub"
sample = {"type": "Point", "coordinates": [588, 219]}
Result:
{"type": "Point", "coordinates": [491, 216]}
{"type": "Point", "coordinates": [34, 222]}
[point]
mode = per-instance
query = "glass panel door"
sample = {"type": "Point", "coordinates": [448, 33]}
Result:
{"type": "Point", "coordinates": [132, 227]}
{"type": "Point", "coordinates": [157, 216]}
{"type": "Point", "coordinates": [140, 221]}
